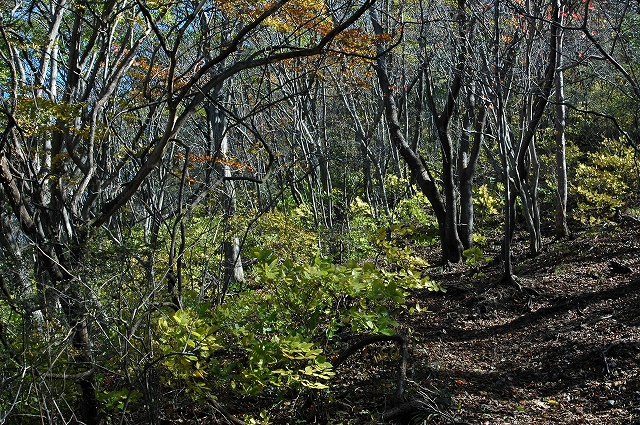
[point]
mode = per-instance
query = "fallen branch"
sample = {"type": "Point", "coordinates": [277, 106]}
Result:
{"type": "Point", "coordinates": [229, 416]}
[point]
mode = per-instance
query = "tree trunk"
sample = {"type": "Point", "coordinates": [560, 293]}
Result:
{"type": "Point", "coordinates": [442, 119]}
{"type": "Point", "coordinates": [526, 150]}
{"type": "Point", "coordinates": [369, 158]}
{"type": "Point", "coordinates": [506, 149]}
{"type": "Point", "coordinates": [561, 228]}
{"type": "Point", "coordinates": [232, 270]}
{"type": "Point", "coordinates": [467, 160]}
{"type": "Point", "coordinates": [414, 162]}
{"type": "Point", "coordinates": [452, 243]}
{"type": "Point", "coordinates": [445, 212]}
{"type": "Point", "coordinates": [509, 209]}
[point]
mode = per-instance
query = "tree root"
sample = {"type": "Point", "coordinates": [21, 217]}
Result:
{"type": "Point", "coordinates": [422, 408]}
{"type": "Point", "coordinates": [512, 280]}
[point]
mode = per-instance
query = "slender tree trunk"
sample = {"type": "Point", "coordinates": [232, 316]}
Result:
{"type": "Point", "coordinates": [526, 149]}
{"type": "Point", "coordinates": [445, 212]}
{"type": "Point", "coordinates": [413, 161]}
{"type": "Point", "coordinates": [467, 160]}
{"type": "Point", "coordinates": [325, 180]}
{"type": "Point", "coordinates": [535, 243]}
{"type": "Point", "coordinates": [176, 257]}
{"type": "Point", "coordinates": [509, 225]}
{"type": "Point", "coordinates": [561, 228]}
{"type": "Point", "coordinates": [465, 183]}
{"type": "Point", "coordinates": [232, 270]}
{"type": "Point", "coordinates": [506, 151]}
{"type": "Point", "coordinates": [369, 158]}
{"type": "Point", "coordinates": [367, 185]}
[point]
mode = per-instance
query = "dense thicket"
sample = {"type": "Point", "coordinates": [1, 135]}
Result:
{"type": "Point", "coordinates": [200, 197]}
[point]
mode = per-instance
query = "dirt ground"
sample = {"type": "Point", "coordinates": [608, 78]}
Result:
{"type": "Point", "coordinates": [491, 354]}
{"type": "Point", "coordinates": [570, 355]}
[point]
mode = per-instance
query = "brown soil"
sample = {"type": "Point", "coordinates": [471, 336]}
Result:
{"type": "Point", "coordinates": [492, 354]}
{"type": "Point", "coordinates": [570, 355]}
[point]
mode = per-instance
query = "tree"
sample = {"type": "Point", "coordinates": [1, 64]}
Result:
{"type": "Point", "coordinates": [453, 203]}
{"type": "Point", "coordinates": [619, 52]}
{"type": "Point", "coordinates": [89, 114]}
{"type": "Point", "coordinates": [561, 226]}
{"type": "Point", "coordinates": [516, 159]}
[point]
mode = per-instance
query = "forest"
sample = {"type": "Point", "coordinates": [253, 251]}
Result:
{"type": "Point", "coordinates": [320, 211]}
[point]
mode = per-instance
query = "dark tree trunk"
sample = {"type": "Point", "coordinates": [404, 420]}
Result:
{"type": "Point", "coordinates": [52, 259]}
{"type": "Point", "coordinates": [414, 162]}
{"type": "Point", "coordinates": [445, 209]}
{"type": "Point", "coordinates": [452, 243]}
{"type": "Point", "coordinates": [526, 149]}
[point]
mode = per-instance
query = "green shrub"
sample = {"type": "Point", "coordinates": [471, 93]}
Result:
{"type": "Point", "coordinates": [604, 180]}
{"type": "Point", "coordinates": [280, 326]}
{"type": "Point", "coordinates": [287, 234]}
{"type": "Point", "coordinates": [415, 211]}
{"type": "Point", "coordinates": [488, 203]}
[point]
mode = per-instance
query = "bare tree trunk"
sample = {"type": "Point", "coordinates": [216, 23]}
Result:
{"type": "Point", "coordinates": [506, 149]}
{"type": "Point", "coordinates": [526, 150]}
{"type": "Point", "coordinates": [234, 272]}
{"type": "Point", "coordinates": [325, 180]}
{"type": "Point", "coordinates": [452, 243]}
{"type": "Point", "coordinates": [445, 209]}
{"type": "Point", "coordinates": [535, 241]}
{"type": "Point", "coordinates": [364, 136]}
{"type": "Point", "coordinates": [467, 160]}
{"type": "Point", "coordinates": [504, 139]}
{"type": "Point", "coordinates": [367, 185]}
{"type": "Point", "coordinates": [414, 162]}
{"type": "Point", "coordinates": [562, 228]}
{"type": "Point", "coordinates": [232, 263]}
{"type": "Point", "coordinates": [174, 275]}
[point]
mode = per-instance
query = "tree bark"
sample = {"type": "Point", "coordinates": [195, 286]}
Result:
{"type": "Point", "coordinates": [445, 209]}
{"type": "Point", "coordinates": [467, 161]}
{"type": "Point", "coordinates": [526, 159]}
{"type": "Point", "coordinates": [561, 228]}
{"type": "Point", "coordinates": [414, 162]}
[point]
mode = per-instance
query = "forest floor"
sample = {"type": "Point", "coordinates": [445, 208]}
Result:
{"type": "Point", "coordinates": [491, 354]}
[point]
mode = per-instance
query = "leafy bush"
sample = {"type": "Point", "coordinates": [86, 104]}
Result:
{"type": "Point", "coordinates": [414, 210]}
{"type": "Point", "coordinates": [361, 225]}
{"type": "Point", "coordinates": [488, 202]}
{"type": "Point", "coordinates": [185, 339]}
{"type": "Point", "coordinates": [396, 242]}
{"type": "Point", "coordinates": [281, 324]}
{"type": "Point", "coordinates": [604, 181]}
{"type": "Point", "coordinates": [288, 234]}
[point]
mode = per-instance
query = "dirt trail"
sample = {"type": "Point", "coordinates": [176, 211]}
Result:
{"type": "Point", "coordinates": [568, 356]}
